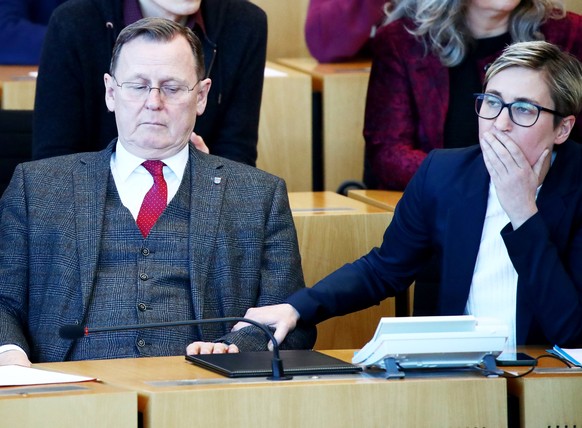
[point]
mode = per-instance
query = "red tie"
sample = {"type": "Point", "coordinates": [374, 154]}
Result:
{"type": "Point", "coordinates": [156, 198]}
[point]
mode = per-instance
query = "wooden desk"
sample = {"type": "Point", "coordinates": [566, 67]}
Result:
{"type": "Point", "coordinates": [548, 399]}
{"type": "Point", "coordinates": [384, 199]}
{"type": "Point", "coordinates": [174, 393]}
{"type": "Point", "coordinates": [333, 230]}
{"type": "Point", "coordinates": [17, 87]}
{"type": "Point", "coordinates": [87, 404]}
{"type": "Point", "coordinates": [284, 147]}
{"type": "Point", "coordinates": [343, 89]}
{"type": "Point", "coordinates": [286, 20]}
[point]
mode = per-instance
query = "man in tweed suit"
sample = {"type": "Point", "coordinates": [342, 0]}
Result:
{"type": "Point", "coordinates": [72, 253]}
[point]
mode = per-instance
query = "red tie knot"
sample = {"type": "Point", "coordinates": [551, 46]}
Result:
{"type": "Point", "coordinates": [154, 167]}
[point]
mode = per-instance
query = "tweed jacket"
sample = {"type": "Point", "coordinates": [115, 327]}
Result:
{"type": "Point", "coordinates": [242, 241]}
{"type": "Point", "coordinates": [442, 213]}
{"type": "Point", "coordinates": [408, 98]}
{"type": "Point", "coordinates": [70, 115]}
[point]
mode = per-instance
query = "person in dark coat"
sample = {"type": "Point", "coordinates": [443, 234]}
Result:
{"type": "Point", "coordinates": [70, 114]}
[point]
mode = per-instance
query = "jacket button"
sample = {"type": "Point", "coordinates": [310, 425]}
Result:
{"type": "Point", "coordinates": [145, 251]}
{"type": "Point", "coordinates": [143, 276]}
{"type": "Point", "coordinates": [142, 307]}
{"type": "Point", "coordinates": [141, 343]}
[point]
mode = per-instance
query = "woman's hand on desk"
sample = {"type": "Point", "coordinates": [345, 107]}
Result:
{"type": "Point", "coordinates": [282, 317]}
{"type": "Point", "coordinates": [14, 357]}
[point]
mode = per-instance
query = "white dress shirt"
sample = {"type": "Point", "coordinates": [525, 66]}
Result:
{"type": "Point", "coordinates": [494, 286]}
{"type": "Point", "coordinates": [133, 181]}
{"type": "Point", "coordinates": [493, 291]}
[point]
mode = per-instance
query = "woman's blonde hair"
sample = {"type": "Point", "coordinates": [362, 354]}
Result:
{"type": "Point", "coordinates": [561, 71]}
{"type": "Point", "coordinates": [441, 24]}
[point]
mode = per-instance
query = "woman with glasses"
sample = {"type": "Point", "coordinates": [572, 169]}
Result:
{"type": "Point", "coordinates": [502, 219]}
{"type": "Point", "coordinates": [429, 60]}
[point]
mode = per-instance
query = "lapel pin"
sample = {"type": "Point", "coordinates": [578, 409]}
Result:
{"type": "Point", "coordinates": [217, 180]}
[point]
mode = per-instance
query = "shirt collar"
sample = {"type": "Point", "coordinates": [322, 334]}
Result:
{"type": "Point", "coordinates": [126, 163]}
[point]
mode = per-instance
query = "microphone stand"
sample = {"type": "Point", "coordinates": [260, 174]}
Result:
{"type": "Point", "coordinates": [73, 331]}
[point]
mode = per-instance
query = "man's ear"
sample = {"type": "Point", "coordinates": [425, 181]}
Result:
{"type": "Point", "coordinates": [564, 129]}
{"type": "Point", "coordinates": [202, 95]}
{"type": "Point", "coordinates": [109, 91]}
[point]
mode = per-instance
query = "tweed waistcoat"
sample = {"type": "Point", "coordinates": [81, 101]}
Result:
{"type": "Point", "coordinates": [141, 281]}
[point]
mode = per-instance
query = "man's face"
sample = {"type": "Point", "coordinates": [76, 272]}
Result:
{"type": "Point", "coordinates": [523, 84]}
{"type": "Point", "coordinates": [155, 127]}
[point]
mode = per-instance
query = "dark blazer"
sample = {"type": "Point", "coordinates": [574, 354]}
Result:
{"type": "Point", "coordinates": [442, 212]}
{"type": "Point", "coordinates": [243, 248]}
{"type": "Point", "coordinates": [70, 112]}
{"type": "Point", "coordinates": [408, 98]}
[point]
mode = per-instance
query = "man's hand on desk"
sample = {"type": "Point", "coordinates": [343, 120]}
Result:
{"type": "Point", "coordinates": [282, 317]}
{"type": "Point", "coordinates": [14, 357]}
{"type": "Point", "coordinates": [199, 143]}
{"type": "Point", "coordinates": [211, 348]}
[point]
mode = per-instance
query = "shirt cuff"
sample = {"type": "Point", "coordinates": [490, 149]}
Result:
{"type": "Point", "coordinates": [6, 348]}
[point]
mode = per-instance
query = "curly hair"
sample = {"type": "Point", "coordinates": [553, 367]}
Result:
{"type": "Point", "coordinates": [442, 27]}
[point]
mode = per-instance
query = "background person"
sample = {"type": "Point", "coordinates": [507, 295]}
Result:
{"type": "Point", "coordinates": [70, 115]}
{"type": "Point", "coordinates": [341, 30]}
{"type": "Point", "coordinates": [427, 63]}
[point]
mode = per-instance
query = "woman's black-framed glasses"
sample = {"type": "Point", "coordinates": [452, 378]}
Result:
{"type": "Point", "coordinates": [522, 113]}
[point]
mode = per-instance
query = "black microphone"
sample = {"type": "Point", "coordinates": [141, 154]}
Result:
{"type": "Point", "coordinates": [73, 331]}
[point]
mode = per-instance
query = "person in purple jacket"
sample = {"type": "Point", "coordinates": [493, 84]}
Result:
{"type": "Point", "coordinates": [340, 30]}
{"type": "Point", "coordinates": [429, 60]}
{"type": "Point", "coordinates": [23, 25]}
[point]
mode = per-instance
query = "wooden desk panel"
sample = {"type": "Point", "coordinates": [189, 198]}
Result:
{"type": "Point", "coordinates": [286, 20]}
{"type": "Point", "coordinates": [384, 199]}
{"type": "Point", "coordinates": [18, 95]}
{"type": "Point", "coordinates": [186, 395]}
{"type": "Point", "coordinates": [17, 87]}
{"type": "Point", "coordinates": [87, 404]}
{"type": "Point", "coordinates": [333, 230]}
{"type": "Point", "coordinates": [284, 147]}
{"type": "Point", "coordinates": [343, 87]}
{"type": "Point", "coordinates": [548, 399]}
